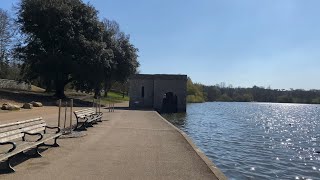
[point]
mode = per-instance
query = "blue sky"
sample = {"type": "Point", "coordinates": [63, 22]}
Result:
{"type": "Point", "coordinates": [239, 42]}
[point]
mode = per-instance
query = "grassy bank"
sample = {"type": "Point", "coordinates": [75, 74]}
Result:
{"type": "Point", "coordinates": [115, 97]}
{"type": "Point", "coordinates": [112, 97]}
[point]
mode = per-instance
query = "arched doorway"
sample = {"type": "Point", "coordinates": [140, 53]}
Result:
{"type": "Point", "coordinates": [169, 103]}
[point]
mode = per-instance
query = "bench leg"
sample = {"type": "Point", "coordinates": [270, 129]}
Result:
{"type": "Point", "coordinates": [35, 154]}
{"type": "Point", "coordinates": [55, 144]}
{"type": "Point", "coordinates": [7, 168]}
{"type": "Point", "coordinates": [89, 124]}
{"type": "Point", "coordinates": [100, 119]}
{"type": "Point", "coordinates": [81, 128]}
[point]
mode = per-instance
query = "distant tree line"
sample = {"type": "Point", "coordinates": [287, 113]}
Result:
{"type": "Point", "coordinates": [195, 92]}
{"type": "Point", "coordinates": [220, 92]}
{"type": "Point", "coordinates": [63, 42]}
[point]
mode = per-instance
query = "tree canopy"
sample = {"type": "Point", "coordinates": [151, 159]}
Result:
{"type": "Point", "coordinates": [65, 42]}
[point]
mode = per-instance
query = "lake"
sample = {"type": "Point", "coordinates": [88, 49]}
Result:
{"type": "Point", "coordinates": [256, 140]}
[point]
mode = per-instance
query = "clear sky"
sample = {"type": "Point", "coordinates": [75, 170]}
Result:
{"type": "Point", "coordinates": [239, 42]}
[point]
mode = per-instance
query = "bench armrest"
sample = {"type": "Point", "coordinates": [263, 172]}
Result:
{"type": "Point", "coordinates": [32, 134]}
{"type": "Point", "coordinates": [12, 143]}
{"type": "Point", "coordinates": [58, 129]}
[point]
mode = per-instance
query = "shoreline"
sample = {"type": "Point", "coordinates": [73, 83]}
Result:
{"type": "Point", "coordinates": [215, 170]}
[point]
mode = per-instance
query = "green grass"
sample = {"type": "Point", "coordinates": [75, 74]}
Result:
{"type": "Point", "coordinates": [114, 97]}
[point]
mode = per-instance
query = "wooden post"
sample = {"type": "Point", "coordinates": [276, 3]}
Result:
{"type": "Point", "coordinates": [93, 103]}
{"type": "Point", "coordinates": [99, 105]}
{"type": "Point", "coordinates": [71, 106]}
{"type": "Point", "coordinates": [59, 115]}
{"type": "Point", "coordinates": [96, 105]}
{"type": "Point", "coordinates": [65, 115]}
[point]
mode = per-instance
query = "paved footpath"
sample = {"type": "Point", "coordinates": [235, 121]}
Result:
{"type": "Point", "coordinates": [126, 145]}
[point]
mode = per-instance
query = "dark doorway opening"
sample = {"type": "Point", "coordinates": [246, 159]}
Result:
{"type": "Point", "coordinates": [142, 91]}
{"type": "Point", "coordinates": [169, 103]}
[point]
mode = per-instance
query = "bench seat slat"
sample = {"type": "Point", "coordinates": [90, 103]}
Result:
{"type": "Point", "coordinates": [10, 133]}
{"type": "Point", "coordinates": [18, 126]}
{"type": "Point", "coordinates": [84, 110]}
{"type": "Point", "coordinates": [5, 137]}
{"type": "Point", "coordinates": [11, 138]}
{"type": "Point", "coordinates": [27, 145]}
{"type": "Point", "coordinates": [27, 129]}
{"type": "Point", "coordinates": [19, 122]}
{"type": "Point", "coordinates": [37, 130]}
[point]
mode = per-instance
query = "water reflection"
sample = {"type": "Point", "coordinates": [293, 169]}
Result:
{"type": "Point", "coordinates": [256, 140]}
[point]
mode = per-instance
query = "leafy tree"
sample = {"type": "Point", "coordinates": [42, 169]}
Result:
{"type": "Point", "coordinates": [225, 97]}
{"type": "Point", "coordinates": [61, 40]}
{"type": "Point", "coordinates": [213, 93]}
{"type": "Point", "coordinates": [194, 92]}
{"type": "Point", "coordinates": [125, 59]}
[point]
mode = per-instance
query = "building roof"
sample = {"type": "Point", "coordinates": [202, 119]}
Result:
{"type": "Point", "coordinates": [160, 76]}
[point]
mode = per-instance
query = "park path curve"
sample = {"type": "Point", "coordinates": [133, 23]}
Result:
{"type": "Point", "coordinates": [126, 145]}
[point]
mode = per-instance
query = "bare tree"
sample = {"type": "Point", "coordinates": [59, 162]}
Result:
{"type": "Point", "coordinates": [5, 40]}
{"type": "Point", "coordinates": [5, 34]}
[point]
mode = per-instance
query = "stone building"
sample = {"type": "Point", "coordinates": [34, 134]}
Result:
{"type": "Point", "coordinates": [161, 92]}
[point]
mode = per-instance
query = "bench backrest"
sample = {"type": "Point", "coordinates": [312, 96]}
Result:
{"type": "Point", "coordinates": [12, 131]}
{"type": "Point", "coordinates": [84, 112]}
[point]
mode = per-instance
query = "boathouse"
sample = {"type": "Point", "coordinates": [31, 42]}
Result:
{"type": "Point", "coordinates": [162, 92]}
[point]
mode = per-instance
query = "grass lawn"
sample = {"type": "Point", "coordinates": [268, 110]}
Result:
{"type": "Point", "coordinates": [114, 97]}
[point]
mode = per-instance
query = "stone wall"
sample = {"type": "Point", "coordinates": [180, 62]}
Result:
{"type": "Point", "coordinates": [135, 92]}
{"type": "Point", "coordinates": [12, 84]}
{"type": "Point", "coordinates": [176, 86]}
{"type": "Point", "coordinates": [155, 86]}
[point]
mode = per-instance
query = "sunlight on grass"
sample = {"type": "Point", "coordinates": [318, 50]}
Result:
{"type": "Point", "coordinates": [114, 97]}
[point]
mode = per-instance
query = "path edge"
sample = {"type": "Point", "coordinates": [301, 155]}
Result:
{"type": "Point", "coordinates": [215, 170]}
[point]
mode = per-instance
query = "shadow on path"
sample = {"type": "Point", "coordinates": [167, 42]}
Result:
{"type": "Point", "coordinates": [18, 159]}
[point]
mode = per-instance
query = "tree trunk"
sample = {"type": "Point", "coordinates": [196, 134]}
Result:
{"type": "Point", "coordinates": [60, 90]}
{"type": "Point", "coordinates": [48, 85]}
{"type": "Point", "coordinates": [106, 90]}
{"type": "Point", "coordinates": [97, 93]}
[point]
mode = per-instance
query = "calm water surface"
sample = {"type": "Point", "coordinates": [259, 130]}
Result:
{"type": "Point", "coordinates": [256, 140]}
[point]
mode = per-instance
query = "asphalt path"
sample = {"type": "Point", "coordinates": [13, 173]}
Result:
{"type": "Point", "coordinates": [128, 144]}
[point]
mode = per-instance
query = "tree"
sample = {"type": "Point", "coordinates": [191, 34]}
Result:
{"type": "Point", "coordinates": [213, 93]}
{"type": "Point", "coordinates": [125, 58]}
{"type": "Point", "coordinates": [61, 40]}
{"type": "Point", "coordinates": [5, 40]}
{"type": "Point", "coordinates": [194, 92]}
{"type": "Point", "coordinates": [117, 62]}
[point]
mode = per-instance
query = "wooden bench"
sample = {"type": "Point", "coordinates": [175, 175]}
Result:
{"type": "Point", "coordinates": [21, 136]}
{"type": "Point", "coordinates": [87, 117]}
